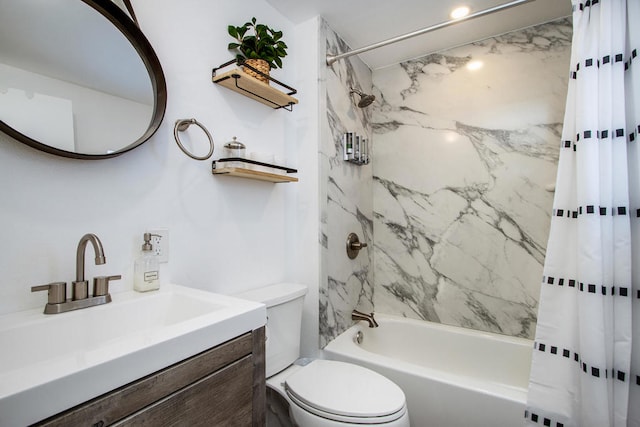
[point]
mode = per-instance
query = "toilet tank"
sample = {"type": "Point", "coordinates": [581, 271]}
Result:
{"type": "Point", "coordinates": [284, 303]}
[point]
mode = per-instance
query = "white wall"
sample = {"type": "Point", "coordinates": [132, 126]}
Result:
{"type": "Point", "coordinates": [304, 212]}
{"type": "Point", "coordinates": [226, 234]}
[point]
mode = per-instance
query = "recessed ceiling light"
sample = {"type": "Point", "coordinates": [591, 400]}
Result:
{"type": "Point", "coordinates": [474, 65]}
{"type": "Point", "coordinates": [459, 12]}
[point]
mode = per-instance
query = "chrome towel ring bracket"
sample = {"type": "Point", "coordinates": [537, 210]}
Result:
{"type": "Point", "coordinates": [181, 126]}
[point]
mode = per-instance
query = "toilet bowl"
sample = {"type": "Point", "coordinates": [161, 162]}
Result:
{"type": "Point", "coordinates": [321, 393]}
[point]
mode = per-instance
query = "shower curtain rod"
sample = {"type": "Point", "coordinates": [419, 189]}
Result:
{"type": "Point", "coordinates": [333, 58]}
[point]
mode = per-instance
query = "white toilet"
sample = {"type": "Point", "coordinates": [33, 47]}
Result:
{"type": "Point", "coordinates": [321, 393]}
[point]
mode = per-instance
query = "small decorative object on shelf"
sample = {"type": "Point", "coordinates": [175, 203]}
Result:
{"type": "Point", "coordinates": [261, 48]}
{"type": "Point", "coordinates": [235, 148]}
{"type": "Point", "coordinates": [249, 86]}
{"type": "Point", "coordinates": [247, 168]}
{"type": "Point", "coordinates": [356, 149]}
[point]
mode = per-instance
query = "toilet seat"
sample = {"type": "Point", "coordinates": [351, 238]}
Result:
{"type": "Point", "coordinates": [346, 393]}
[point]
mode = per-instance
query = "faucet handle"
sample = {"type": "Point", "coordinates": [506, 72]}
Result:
{"type": "Point", "coordinates": [101, 284]}
{"type": "Point", "coordinates": [57, 291]}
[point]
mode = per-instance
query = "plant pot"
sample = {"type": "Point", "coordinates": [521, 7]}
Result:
{"type": "Point", "coordinates": [260, 65]}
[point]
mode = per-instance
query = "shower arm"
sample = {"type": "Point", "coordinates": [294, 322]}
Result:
{"type": "Point", "coordinates": [333, 58]}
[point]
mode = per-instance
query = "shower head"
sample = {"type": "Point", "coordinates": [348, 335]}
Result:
{"type": "Point", "coordinates": [365, 100]}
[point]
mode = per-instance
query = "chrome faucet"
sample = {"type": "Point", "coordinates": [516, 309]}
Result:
{"type": "Point", "coordinates": [358, 315]}
{"type": "Point", "coordinates": [57, 300]}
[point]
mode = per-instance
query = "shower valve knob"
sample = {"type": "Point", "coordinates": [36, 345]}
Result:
{"type": "Point", "coordinates": [354, 245]}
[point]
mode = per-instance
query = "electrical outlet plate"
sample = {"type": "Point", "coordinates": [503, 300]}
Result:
{"type": "Point", "coordinates": [160, 244]}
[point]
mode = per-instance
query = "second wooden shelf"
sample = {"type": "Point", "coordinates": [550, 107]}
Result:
{"type": "Point", "coordinates": [253, 174]}
{"type": "Point", "coordinates": [229, 166]}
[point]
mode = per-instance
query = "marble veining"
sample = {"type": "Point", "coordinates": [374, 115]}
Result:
{"type": "Point", "coordinates": [465, 143]}
{"type": "Point", "coordinates": [346, 196]}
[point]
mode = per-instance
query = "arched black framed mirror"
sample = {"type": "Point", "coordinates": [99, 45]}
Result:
{"type": "Point", "coordinates": [77, 78]}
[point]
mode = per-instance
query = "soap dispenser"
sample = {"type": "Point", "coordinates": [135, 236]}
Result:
{"type": "Point", "coordinates": [146, 269]}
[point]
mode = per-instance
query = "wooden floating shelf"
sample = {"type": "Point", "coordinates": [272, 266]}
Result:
{"type": "Point", "coordinates": [219, 167]}
{"type": "Point", "coordinates": [253, 174]}
{"type": "Point", "coordinates": [244, 84]}
{"type": "Point", "coordinates": [238, 81]}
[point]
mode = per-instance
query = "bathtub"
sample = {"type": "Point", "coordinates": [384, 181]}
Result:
{"type": "Point", "coordinates": [451, 376]}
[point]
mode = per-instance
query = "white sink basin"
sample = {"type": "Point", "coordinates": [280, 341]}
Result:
{"type": "Point", "coordinates": [49, 363]}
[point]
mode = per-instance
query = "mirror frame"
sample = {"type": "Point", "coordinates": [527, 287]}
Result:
{"type": "Point", "coordinates": [132, 32]}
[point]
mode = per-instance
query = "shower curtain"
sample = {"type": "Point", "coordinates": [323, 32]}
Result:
{"type": "Point", "coordinates": [585, 369]}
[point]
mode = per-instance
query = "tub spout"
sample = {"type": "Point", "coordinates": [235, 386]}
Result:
{"type": "Point", "coordinates": [358, 315]}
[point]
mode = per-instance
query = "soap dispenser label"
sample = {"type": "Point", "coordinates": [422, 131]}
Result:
{"type": "Point", "coordinates": [150, 276]}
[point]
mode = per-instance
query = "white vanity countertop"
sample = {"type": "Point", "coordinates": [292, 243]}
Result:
{"type": "Point", "coordinates": [49, 363]}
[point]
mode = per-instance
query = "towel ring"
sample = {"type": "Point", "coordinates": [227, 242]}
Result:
{"type": "Point", "coordinates": [181, 126]}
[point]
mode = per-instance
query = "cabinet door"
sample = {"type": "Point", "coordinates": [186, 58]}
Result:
{"type": "Point", "coordinates": [118, 404]}
{"type": "Point", "coordinates": [223, 399]}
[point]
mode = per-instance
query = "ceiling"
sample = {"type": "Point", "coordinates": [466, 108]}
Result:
{"type": "Point", "coordinates": [363, 22]}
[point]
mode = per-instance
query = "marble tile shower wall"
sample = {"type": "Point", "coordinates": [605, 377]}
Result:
{"type": "Point", "coordinates": [465, 146]}
{"type": "Point", "coordinates": [345, 195]}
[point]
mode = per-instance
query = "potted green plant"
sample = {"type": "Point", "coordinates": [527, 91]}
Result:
{"type": "Point", "coordinates": [259, 46]}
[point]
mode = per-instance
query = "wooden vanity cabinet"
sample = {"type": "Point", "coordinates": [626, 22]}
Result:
{"type": "Point", "coordinates": [222, 386]}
